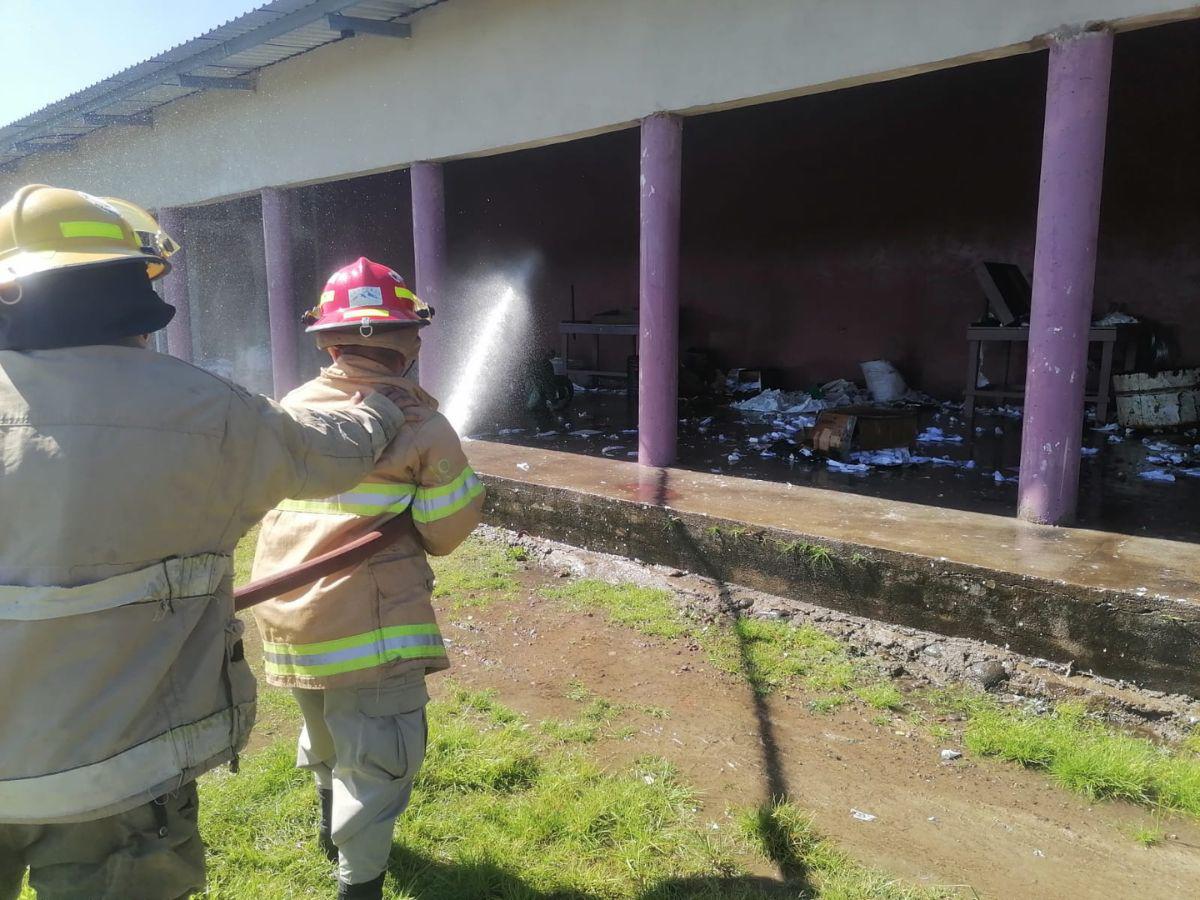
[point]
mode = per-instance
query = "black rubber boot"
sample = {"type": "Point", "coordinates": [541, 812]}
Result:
{"type": "Point", "coordinates": [367, 890]}
{"type": "Point", "coordinates": [324, 836]}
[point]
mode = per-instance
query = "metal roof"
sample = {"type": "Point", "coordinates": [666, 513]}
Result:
{"type": "Point", "coordinates": [271, 33]}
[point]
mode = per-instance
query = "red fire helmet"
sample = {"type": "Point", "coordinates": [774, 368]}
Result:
{"type": "Point", "coordinates": [366, 295]}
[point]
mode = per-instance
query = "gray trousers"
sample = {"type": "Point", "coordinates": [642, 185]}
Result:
{"type": "Point", "coordinates": [151, 852]}
{"type": "Point", "coordinates": [366, 744]}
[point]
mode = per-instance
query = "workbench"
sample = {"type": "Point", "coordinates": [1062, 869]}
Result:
{"type": "Point", "coordinates": [599, 330]}
{"type": "Point", "coordinates": [978, 335]}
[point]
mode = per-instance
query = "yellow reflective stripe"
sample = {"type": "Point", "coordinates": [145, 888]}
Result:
{"type": "Point", "coordinates": [91, 229]}
{"type": "Point", "coordinates": [433, 504]}
{"type": "Point", "coordinates": [371, 498]}
{"type": "Point", "coordinates": [360, 651]}
{"type": "Point", "coordinates": [405, 293]}
{"type": "Point", "coordinates": [326, 297]}
{"type": "Point", "coordinates": [359, 313]}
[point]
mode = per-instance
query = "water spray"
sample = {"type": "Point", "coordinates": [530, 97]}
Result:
{"type": "Point", "coordinates": [465, 396]}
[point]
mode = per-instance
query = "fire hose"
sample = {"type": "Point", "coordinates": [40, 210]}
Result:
{"type": "Point", "coordinates": [344, 557]}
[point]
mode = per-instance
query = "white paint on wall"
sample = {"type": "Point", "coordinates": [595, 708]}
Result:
{"type": "Point", "coordinates": [481, 76]}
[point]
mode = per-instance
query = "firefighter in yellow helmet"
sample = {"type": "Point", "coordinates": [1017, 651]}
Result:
{"type": "Point", "coordinates": [355, 647]}
{"type": "Point", "coordinates": [128, 478]}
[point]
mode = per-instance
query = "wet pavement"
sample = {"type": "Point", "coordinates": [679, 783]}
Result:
{"type": "Point", "coordinates": [1089, 560]}
{"type": "Point", "coordinates": [1122, 476]}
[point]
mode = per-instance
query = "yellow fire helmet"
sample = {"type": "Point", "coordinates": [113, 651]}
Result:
{"type": "Point", "coordinates": [43, 228]}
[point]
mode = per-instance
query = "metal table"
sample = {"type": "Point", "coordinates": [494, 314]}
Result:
{"type": "Point", "coordinates": [599, 330]}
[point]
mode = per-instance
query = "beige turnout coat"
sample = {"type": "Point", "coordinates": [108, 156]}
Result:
{"type": "Point", "coordinates": [359, 625]}
{"type": "Point", "coordinates": [126, 480]}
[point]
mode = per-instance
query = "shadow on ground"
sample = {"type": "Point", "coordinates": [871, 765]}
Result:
{"type": "Point", "coordinates": [429, 879]}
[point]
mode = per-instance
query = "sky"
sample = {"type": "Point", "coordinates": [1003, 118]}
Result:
{"type": "Point", "coordinates": [52, 48]}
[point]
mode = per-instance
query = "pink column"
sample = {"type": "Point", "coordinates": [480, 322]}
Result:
{"type": "Point", "coordinates": [658, 340]}
{"type": "Point", "coordinates": [1064, 270]}
{"type": "Point", "coordinates": [429, 255]}
{"type": "Point", "coordinates": [282, 312]}
{"type": "Point", "coordinates": [175, 287]}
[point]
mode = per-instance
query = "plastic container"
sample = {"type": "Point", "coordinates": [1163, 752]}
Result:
{"type": "Point", "coordinates": [1162, 400]}
{"type": "Point", "coordinates": [883, 381]}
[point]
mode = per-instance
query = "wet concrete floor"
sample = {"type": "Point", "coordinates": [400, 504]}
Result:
{"type": "Point", "coordinates": [1090, 559]}
{"type": "Point", "coordinates": [976, 473]}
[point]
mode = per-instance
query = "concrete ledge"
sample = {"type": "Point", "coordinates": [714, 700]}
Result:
{"type": "Point", "coordinates": [1124, 607]}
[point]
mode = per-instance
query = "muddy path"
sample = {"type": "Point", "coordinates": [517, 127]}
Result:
{"type": "Point", "coordinates": [1001, 830]}
{"type": "Point", "coordinates": [996, 829]}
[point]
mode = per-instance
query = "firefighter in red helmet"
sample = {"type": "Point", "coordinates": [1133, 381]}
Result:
{"type": "Point", "coordinates": [355, 647]}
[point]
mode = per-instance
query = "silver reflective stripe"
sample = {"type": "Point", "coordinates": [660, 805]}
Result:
{"type": "Point", "coordinates": [427, 509]}
{"type": "Point", "coordinates": [62, 795]}
{"type": "Point", "coordinates": [189, 576]}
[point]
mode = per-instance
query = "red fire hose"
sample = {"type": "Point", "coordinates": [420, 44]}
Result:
{"type": "Point", "coordinates": [344, 557]}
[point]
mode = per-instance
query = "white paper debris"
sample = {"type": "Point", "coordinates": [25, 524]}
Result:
{"type": "Point", "coordinates": [524, 467]}
{"type": "Point", "coordinates": [897, 456]}
{"type": "Point", "coordinates": [1156, 475]}
{"type": "Point", "coordinates": [1088, 451]}
{"type": "Point", "coordinates": [849, 468]}
{"type": "Point", "coordinates": [1115, 318]}
{"type": "Point", "coordinates": [584, 432]}
{"type": "Point", "coordinates": [615, 448]}
{"type": "Point", "coordinates": [1110, 428]}
{"type": "Point", "coordinates": [935, 435]}
{"type": "Point", "coordinates": [863, 816]}
{"type": "Point", "coordinates": [948, 755]}
{"type": "Point", "coordinates": [511, 431]}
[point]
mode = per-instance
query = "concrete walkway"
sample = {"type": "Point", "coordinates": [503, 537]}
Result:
{"type": "Point", "coordinates": [1130, 588]}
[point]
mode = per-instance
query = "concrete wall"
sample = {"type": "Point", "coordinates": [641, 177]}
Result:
{"type": "Point", "coordinates": [483, 75]}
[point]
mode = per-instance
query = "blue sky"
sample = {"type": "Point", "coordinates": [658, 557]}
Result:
{"type": "Point", "coordinates": [52, 48]}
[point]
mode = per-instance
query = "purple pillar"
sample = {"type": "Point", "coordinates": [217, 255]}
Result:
{"type": "Point", "coordinates": [658, 316]}
{"type": "Point", "coordinates": [1064, 269]}
{"type": "Point", "coordinates": [175, 287]}
{"type": "Point", "coordinates": [281, 305]}
{"type": "Point", "coordinates": [429, 256]}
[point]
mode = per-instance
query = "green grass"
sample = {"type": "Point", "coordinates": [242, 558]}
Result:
{"type": "Point", "coordinates": [477, 574]}
{"type": "Point", "coordinates": [496, 812]}
{"type": "Point", "coordinates": [1086, 756]}
{"type": "Point", "coordinates": [1148, 835]}
{"type": "Point", "coordinates": [881, 695]}
{"type": "Point", "coordinates": [770, 654]}
{"type": "Point", "coordinates": [785, 835]}
{"type": "Point", "coordinates": [501, 811]}
{"type": "Point", "coordinates": [648, 610]}
{"type": "Point", "coordinates": [243, 556]}
{"type": "Point", "coordinates": [592, 722]}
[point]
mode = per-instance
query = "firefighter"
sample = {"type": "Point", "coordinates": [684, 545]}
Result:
{"type": "Point", "coordinates": [127, 479]}
{"type": "Point", "coordinates": [355, 647]}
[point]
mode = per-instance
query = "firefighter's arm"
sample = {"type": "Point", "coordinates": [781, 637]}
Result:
{"type": "Point", "coordinates": [306, 454]}
{"type": "Point", "coordinates": [449, 499]}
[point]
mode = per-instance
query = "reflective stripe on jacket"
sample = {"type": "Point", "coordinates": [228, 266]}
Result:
{"type": "Point", "coordinates": [127, 479]}
{"type": "Point", "coordinates": [377, 619]}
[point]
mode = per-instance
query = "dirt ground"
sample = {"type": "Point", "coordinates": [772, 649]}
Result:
{"type": "Point", "coordinates": [1003, 831]}
{"type": "Point", "coordinates": [993, 828]}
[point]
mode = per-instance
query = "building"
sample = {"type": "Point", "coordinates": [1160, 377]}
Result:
{"type": "Point", "coordinates": [800, 183]}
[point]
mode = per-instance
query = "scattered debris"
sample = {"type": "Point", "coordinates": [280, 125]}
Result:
{"type": "Point", "coordinates": [950, 755]}
{"type": "Point", "coordinates": [935, 435]}
{"type": "Point", "coordinates": [1115, 318]}
{"type": "Point", "coordinates": [863, 816]}
{"type": "Point", "coordinates": [849, 468]}
{"type": "Point", "coordinates": [523, 466]}
{"type": "Point", "coordinates": [1155, 475]}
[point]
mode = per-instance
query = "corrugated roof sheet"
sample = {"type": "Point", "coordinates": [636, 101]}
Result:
{"type": "Point", "coordinates": [262, 37]}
